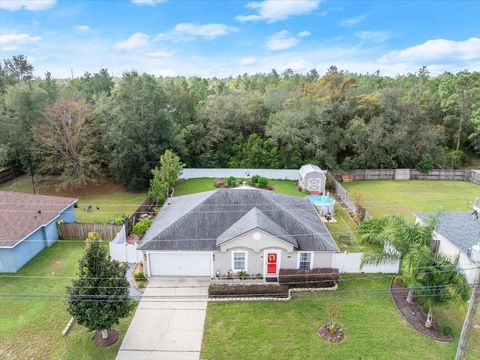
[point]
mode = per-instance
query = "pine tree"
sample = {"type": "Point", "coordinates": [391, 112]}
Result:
{"type": "Point", "coordinates": [99, 297]}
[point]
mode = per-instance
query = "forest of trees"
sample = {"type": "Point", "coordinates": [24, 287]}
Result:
{"type": "Point", "coordinates": [97, 125]}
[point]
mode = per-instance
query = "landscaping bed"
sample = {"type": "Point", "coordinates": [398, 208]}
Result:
{"type": "Point", "coordinates": [414, 315]}
{"type": "Point", "coordinates": [314, 278]}
{"type": "Point", "coordinates": [247, 290]}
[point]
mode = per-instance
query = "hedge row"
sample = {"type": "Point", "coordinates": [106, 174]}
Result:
{"type": "Point", "coordinates": [250, 290]}
{"type": "Point", "coordinates": [315, 278]}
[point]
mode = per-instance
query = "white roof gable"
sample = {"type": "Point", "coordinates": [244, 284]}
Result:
{"type": "Point", "coordinates": [307, 169]}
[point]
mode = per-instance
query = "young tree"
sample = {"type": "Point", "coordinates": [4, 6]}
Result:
{"type": "Point", "coordinates": [404, 241]}
{"type": "Point", "coordinates": [65, 141]}
{"type": "Point", "coordinates": [440, 284]}
{"type": "Point", "coordinates": [166, 176]}
{"type": "Point", "coordinates": [99, 297]}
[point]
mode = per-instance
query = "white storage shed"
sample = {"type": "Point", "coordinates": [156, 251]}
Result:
{"type": "Point", "coordinates": [312, 179]}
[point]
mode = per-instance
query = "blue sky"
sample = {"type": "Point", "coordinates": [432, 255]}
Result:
{"type": "Point", "coordinates": [221, 38]}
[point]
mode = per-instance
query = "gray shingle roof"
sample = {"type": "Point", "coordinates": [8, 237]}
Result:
{"type": "Point", "coordinates": [252, 220]}
{"type": "Point", "coordinates": [195, 222]}
{"type": "Point", "coordinates": [460, 228]}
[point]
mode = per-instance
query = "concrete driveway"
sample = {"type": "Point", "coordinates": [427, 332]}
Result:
{"type": "Point", "coordinates": [168, 322]}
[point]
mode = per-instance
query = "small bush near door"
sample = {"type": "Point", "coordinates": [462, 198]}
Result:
{"type": "Point", "coordinates": [315, 278]}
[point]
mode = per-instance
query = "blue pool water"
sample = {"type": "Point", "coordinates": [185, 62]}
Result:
{"type": "Point", "coordinates": [320, 200]}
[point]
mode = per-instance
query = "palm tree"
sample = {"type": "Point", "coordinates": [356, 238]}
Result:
{"type": "Point", "coordinates": [442, 283]}
{"type": "Point", "coordinates": [401, 240]}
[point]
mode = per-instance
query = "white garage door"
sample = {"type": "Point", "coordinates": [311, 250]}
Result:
{"type": "Point", "coordinates": [180, 264]}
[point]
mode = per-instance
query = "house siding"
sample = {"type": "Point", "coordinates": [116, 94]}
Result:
{"type": "Point", "coordinates": [13, 259]}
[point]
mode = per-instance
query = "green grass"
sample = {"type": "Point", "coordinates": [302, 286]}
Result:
{"type": "Point", "coordinates": [192, 186]}
{"type": "Point", "coordinates": [110, 197]}
{"type": "Point", "coordinates": [373, 328]}
{"type": "Point", "coordinates": [32, 328]}
{"type": "Point", "coordinates": [382, 197]}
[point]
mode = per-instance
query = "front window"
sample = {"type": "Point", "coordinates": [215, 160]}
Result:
{"type": "Point", "coordinates": [305, 261]}
{"type": "Point", "coordinates": [239, 261]}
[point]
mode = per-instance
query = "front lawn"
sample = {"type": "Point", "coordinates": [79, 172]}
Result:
{"type": "Point", "coordinates": [382, 197]}
{"type": "Point", "coordinates": [287, 330]}
{"type": "Point", "coordinates": [111, 198]}
{"type": "Point", "coordinates": [31, 328]}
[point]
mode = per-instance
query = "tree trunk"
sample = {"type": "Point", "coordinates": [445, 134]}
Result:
{"type": "Point", "coordinates": [104, 333]}
{"type": "Point", "coordinates": [409, 298]}
{"type": "Point", "coordinates": [428, 322]}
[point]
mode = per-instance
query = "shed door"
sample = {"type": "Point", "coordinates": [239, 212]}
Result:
{"type": "Point", "coordinates": [314, 184]}
{"type": "Point", "coordinates": [180, 264]}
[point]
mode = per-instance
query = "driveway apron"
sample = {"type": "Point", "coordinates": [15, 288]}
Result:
{"type": "Point", "coordinates": [168, 322]}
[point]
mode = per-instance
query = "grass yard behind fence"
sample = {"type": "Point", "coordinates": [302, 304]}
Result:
{"type": "Point", "coordinates": [31, 328]}
{"type": "Point", "coordinates": [111, 198]}
{"type": "Point", "coordinates": [382, 197]}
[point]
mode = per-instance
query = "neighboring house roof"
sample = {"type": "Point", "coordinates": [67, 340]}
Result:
{"type": "Point", "coordinates": [21, 214]}
{"type": "Point", "coordinates": [460, 228]}
{"type": "Point", "coordinates": [203, 221]}
{"type": "Point", "coordinates": [308, 169]}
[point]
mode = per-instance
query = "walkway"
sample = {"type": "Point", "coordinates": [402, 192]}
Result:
{"type": "Point", "coordinates": [168, 322]}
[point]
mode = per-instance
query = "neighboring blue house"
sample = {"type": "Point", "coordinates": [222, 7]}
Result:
{"type": "Point", "coordinates": [28, 224]}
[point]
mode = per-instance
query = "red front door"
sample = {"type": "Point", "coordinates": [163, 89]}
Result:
{"type": "Point", "coordinates": [271, 263]}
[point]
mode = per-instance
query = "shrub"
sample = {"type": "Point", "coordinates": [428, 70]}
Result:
{"type": "Point", "coordinates": [446, 330]}
{"type": "Point", "coordinates": [330, 183]}
{"type": "Point", "coordinates": [370, 228]}
{"type": "Point", "coordinates": [425, 164]}
{"type": "Point", "coordinates": [263, 182]}
{"type": "Point", "coordinates": [455, 158]}
{"type": "Point", "coordinates": [120, 220]}
{"type": "Point", "coordinates": [250, 290]}
{"type": "Point", "coordinates": [242, 275]}
{"type": "Point", "coordinates": [231, 181]}
{"type": "Point", "coordinates": [141, 227]}
{"type": "Point", "coordinates": [315, 278]}
{"type": "Point", "coordinates": [139, 276]}
{"type": "Point", "coordinates": [254, 180]}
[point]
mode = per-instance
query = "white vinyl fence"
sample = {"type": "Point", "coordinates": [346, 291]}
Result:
{"type": "Point", "coordinates": [280, 174]}
{"type": "Point", "coordinates": [350, 263]}
{"type": "Point", "coordinates": [120, 250]}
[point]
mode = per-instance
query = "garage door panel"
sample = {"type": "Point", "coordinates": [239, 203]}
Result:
{"type": "Point", "coordinates": [180, 264]}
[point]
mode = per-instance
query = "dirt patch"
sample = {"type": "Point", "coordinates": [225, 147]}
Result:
{"type": "Point", "coordinates": [326, 333]}
{"type": "Point", "coordinates": [132, 239]}
{"type": "Point", "coordinates": [112, 338]}
{"type": "Point", "coordinates": [56, 265]}
{"type": "Point", "coordinates": [414, 314]}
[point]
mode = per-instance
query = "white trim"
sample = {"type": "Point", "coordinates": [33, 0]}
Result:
{"type": "Point", "coordinates": [233, 260]}
{"type": "Point", "coordinates": [279, 261]}
{"type": "Point", "coordinates": [312, 253]}
{"type": "Point", "coordinates": [40, 227]}
{"type": "Point", "coordinates": [148, 252]}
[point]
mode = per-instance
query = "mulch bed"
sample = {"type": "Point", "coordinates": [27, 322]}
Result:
{"type": "Point", "coordinates": [414, 314]}
{"type": "Point", "coordinates": [327, 335]}
{"type": "Point", "coordinates": [112, 338]}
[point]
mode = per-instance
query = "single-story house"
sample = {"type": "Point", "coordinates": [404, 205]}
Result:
{"type": "Point", "coordinates": [28, 224]}
{"type": "Point", "coordinates": [455, 235]}
{"type": "Point", "coordinates": [243, 229]}
{"type": "Point", "coordinates": [312, 179]}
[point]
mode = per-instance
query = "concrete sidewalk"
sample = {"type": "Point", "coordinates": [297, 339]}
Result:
{"type": "Point", "coordinates": [168, 322]}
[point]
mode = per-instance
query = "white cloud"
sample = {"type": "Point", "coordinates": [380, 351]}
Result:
{"type": "Point", "coordinates": [190, 31]}
{"type": "Point", "coordinates": [32, 5]}
{"type": "Point", "coordinates": [11, 42]}
{"type": "Point", "coordinates": [304, 34]}
{"type": "Point", "coordinates": [353, 21]}
{"type": "Point", "coordinates": [436, 50]}
{"type": "Point", "coordinates": [82, 27]}
{"type": "Point", "coordinates": [147, 2]}
{"type": "Point", "coordinates": [372, 36]}
{"type": "Point", "coordinates": [274, 10]}
{"type": "Point", "coordinates": [135, 41]}
{"type": "Point", "coordinates": [248, 60]}
{"type": "Point", "coordinates": [281, 41]}
{"type": "Point", "coordinates": [160, 54]}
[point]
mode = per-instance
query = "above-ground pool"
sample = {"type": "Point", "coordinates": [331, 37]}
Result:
{"type": "Point", "coordinates": [324, 204]}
